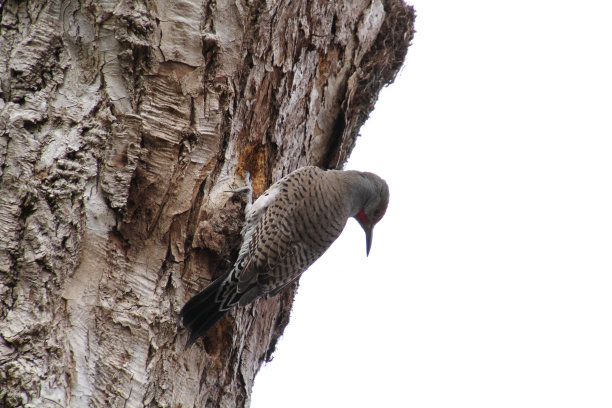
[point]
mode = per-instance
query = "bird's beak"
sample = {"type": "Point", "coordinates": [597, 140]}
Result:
{"type": "Point", "coordinates": [368, 232]}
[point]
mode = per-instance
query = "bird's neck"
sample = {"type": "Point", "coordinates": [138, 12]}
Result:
{"type": "Point", "coordinates": [358, 190]}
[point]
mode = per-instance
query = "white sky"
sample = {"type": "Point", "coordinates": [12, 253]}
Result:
{"type": "Point", "coordinates": [489, 283]}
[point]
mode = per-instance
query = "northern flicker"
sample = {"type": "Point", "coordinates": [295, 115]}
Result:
{"type": "Point", "coordinates": [288, 228]}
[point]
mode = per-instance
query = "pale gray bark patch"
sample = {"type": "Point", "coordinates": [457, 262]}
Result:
{"type": "Point", "coordinates": [122, 126]}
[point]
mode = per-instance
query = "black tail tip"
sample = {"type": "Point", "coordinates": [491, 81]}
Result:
{"type": "Point", "coordinates": [198, 322]}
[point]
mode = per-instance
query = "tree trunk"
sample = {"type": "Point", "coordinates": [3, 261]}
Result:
{"type": "Point", "coordinates": [122, 125]}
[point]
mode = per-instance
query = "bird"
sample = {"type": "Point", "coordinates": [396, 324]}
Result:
{"type": "Point", "coordinates": [286, 229]}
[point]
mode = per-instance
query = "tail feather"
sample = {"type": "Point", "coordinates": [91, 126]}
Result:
{"type": "Point", "coordinates": [203, 310]}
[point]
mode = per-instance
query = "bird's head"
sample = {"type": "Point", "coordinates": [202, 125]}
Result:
{"type": "Point", "coordinates": [375, 198]}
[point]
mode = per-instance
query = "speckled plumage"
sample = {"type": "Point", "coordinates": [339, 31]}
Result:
{"type": "Point", "coordinates": [288, 228]}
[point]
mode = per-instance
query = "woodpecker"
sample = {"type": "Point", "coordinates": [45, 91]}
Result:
{"type": "Point", "coordinates": [286, 229]}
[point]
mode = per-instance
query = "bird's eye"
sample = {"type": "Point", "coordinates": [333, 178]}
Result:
{"type": "Point", "coordinates": [376, 213]}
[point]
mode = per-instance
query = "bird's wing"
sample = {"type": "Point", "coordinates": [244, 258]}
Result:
{"type": "Point", "coordinates": [272, 254]}
{"type": "Point", "coordinates": [287, 269]}
{"type": "Point", "coordinates": [272, 278]}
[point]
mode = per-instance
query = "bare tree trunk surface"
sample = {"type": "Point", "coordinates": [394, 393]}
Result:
{"type": "Point", "coordinates": [122, 125]}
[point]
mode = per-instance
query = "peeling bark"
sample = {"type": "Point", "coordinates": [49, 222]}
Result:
{"type": "Point", "coordinates": [122, 125]}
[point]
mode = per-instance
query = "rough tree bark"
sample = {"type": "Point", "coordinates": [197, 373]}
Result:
{"type": "Point", "coordinates": [122, 124]}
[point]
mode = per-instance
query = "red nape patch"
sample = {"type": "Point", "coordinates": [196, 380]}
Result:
{"type": "Point", "coordinates": [362, 217]}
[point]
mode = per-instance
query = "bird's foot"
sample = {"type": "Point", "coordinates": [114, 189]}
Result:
{"type": "Point", "coordinates": [248, 189]}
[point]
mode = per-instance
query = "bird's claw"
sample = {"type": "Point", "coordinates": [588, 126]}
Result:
{"type": "Point", "coordinates": [248, 189]}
